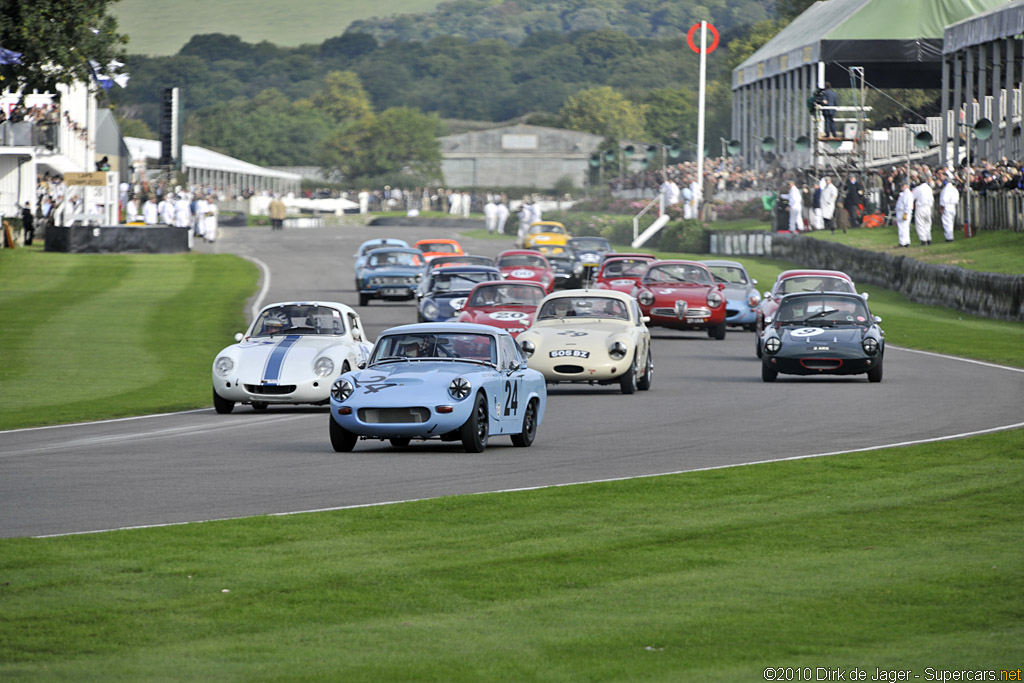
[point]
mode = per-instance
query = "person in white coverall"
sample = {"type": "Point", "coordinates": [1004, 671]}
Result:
{"type": "Point", "coordinates": [491, 216]}
{"type": "Point", "coordinates": [502, 212]}
{"type": "Point", "coordinates": [948, 199]}
{"type": "Point", "coordinates": [924, 200]}
{"type": "Point", "coordinates": [796, 208]}
{"type": "Point", "coordinates": [829, 195]}
{"type": "Point", "coordinates": [904, 210]}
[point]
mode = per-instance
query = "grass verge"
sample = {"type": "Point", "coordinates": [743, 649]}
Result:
{"type": "Point", "coordinates": [896, 559]}
{"type": "Point", "coordinates": [93, 336]}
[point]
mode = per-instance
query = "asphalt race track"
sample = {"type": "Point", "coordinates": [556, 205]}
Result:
{"type": "Point", "coordinates": [707, 408]}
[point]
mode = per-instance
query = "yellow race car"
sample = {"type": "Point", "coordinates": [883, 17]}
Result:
{"type": "Point", "coordinates": [544, 233]}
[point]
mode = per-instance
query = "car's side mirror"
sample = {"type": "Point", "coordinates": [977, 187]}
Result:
{"type": "Point", "coordinates": [513, 366]}
{"type": "Point", "coordinates": [865, 295]}
{"type": "Point", "coordinates": [361, 365]}
{"type": "Point", "coordinates": [767, 296]}
{"type": "Point", "coordinates": [645, 318]}
{"type": "Point", "coordinates": [877, 319]}
{"type": "Point", "coordinates": [721, 286]}
{"type": "Point", "coordinates": [753, 281]}
{"type": "Point", "coordinates": [238, 336]}
{"type": "Point", "coordinates": [768, 320]}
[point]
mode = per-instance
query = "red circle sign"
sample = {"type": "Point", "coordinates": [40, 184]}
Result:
{"type": "Point", "coordinates": [694, 46]}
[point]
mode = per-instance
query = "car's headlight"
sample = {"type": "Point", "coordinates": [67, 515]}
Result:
{"type": "Point", "coordinates": [341, 389]}
{"type": "Point", "coordinates": [430, 310]}
{"type": "Point", "coordinates": [617, 350]}
{"type": "Point", "coordinates": [577, 269]}
{"type": "Point", "coordinates": [323, 367]}
{"type": "Point", "coordinates": [714, 299]}
{"type": "Point", "coordinates": [528, 347]}
{"type": "Point", "coordinates": [772, 345]}
{"type": "Point", "coordinates": [460, 388]}
{"type": "Point", "coordinates": [870, 345]}
{"type": "Point", "coordinates": [223, 365]}
{"type": "Point", "coordinates": [646, 298]}
{"type": "Point", "coordinates": [753, 301]}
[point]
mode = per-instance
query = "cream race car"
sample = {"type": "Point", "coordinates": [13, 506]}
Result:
{"type": "Point", "coordinates": [590, 335]}
{"type": "Point", "coordinates": [290, 354]}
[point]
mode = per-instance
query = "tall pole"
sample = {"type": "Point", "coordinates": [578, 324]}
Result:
{"type": "Point", "coordinates": [700, 116]}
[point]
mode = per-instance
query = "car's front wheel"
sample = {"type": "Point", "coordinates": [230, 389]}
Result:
{"type": "Point", "coordinates": [757, 345]}
{"type": "Point", "coordinates": [222, 405]}
{"type": "Point", "coordinates": [474, 430]}
{"type": "Point", "coordinates": [525, 438]}
{"type": "Point", "coordinates": [259, 405]}
{"type": "Point", "coordinates": [718, 331]}
{"type": "Point", "coordinates": [363, 299]}
{"type": "Point", "coordinates": [875, 373]}
{"type": "Point", "coordinates": [400, 441]}
{"type": "Point", "coordinates": [342, 440]}
{"type": "Point", "coordinates": [767, 374]}
{"type": "Point", "coordinates": [628, 381]}
{"type": "Point", "coordinates": [644, 383]}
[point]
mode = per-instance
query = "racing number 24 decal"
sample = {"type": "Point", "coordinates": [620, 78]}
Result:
{"type": "Point", "coordinates": [511, 397]}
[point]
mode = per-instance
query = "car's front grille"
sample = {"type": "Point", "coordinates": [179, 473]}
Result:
{"type": "Point", "coordinates": [568, 369]}
{"type": "Point", "coordinates": [664, 311]}
{"type": "Point", "coordinates": [270, 389]}
{"type": "Point", "coordinates": [392, 280]}
{"type": "Point", "coordinates": [394, 415]}
{"type": "Point", "coordinates": [821, 363]}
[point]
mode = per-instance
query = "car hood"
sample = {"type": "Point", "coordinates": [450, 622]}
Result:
{"type": "Point", "coordinates": [814, 335]}
{"type": "Point", "coordinates": [674, 292]}
{"type": "Point", "coordinates": [575, 329]}
{"type": "Point", "coordinates": [275, 359]}
{"type": "Point", "coordinates": [391, 271]}
{"type": "Point", "coordinates": [501, 316]}
{"type": "Point", "coordinates": [522, 272]}
{"type": "Point", "coordinates": [413, 373]}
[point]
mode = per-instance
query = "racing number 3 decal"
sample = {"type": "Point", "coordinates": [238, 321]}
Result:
{"type": "Point", "coordinates": [511, 397]}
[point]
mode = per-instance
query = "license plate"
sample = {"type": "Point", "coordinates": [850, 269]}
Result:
{"type": "Point", "coordinates": [393, 291]}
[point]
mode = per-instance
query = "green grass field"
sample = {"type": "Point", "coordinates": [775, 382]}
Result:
{"type": "Point", "coordinates": [896, 559]}
{"type": "Point", "coordinates": [161, 28]}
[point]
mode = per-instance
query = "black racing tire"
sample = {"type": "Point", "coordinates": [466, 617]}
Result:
{"type": "Point", "coordinates": [718, 331]}
{"type": "Point", "coordinates": [342, 440]}
{"type": "Point", "coordinates": [875, 373]}
{"type": "Point", "coordinates": [400, 441]}
{"type": "Point", "coordinates": [767, 374]}
{"type": "Point", "coordinates": [474, 431]}
{"type": "Point", "coordinates": [222, 405]}
{"type": "Point", "coordinates": [644, 383]}
{"type": "Point", "coordinates": [627, 383]}
{"type": "Point", "coordinates": [757, 345]}
{"type": "Point", "coordinates": [364, 300]}
{"type": "Point", "coordinates": [524, 439]}
{"type": "Point", "coordinates": [259, 405]}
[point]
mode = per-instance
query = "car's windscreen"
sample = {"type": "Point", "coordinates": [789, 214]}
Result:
{"type": "Point", "coordinates": [823, 310]}
{"type": "Point", "coordinates": [461, 261]}
{"type": "Point", "coordinates": [583, 307]}
{"type": "Point", "coordinates": [298, 319]}
{"type": "Point", "coordinates": [445, 345]}
{"type": "Point", "coordinates": [625, 268]}
{"type": "Point", "coordinates": [679, 272]}
{"type": "Point", "coordinates": [438, 248]}
{"type": "Point", "coordinates": [521, 260]}
{"type": "Point", "coordinates": [555, 229]}
{"type": "Point", "coordinates": [583, 244]}
{"type": "Point", "coordinates": [729, 275]}
{"type": "Point", "coordinates": [376, 245]}
{"type": "Point", "coordinates": [506, 295]}
{"type": "Point", "coordinates": [815, 283]}
{"type": "Point", "coordinates": [395, 258]}
{"type": "Point", "coordinates": [444, 281]}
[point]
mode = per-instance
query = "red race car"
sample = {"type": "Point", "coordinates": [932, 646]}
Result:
{"type": "Point", "coordinates": [508, 305]}
{"type": "Point", "coordinates": [682, 295]}
{"type": "Point", "coordinates": [800, 280]}
{"type": "Point", "coordinates": [526, 265]}
{"type": "Point", "coordinates": [622, 272]}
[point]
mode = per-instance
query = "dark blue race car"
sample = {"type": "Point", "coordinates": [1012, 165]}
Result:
{"type": "Point", "coordinates": [822, 333]}
{"type": "Point", "coordinates": [446, 289]}
{"type": "Point", "coordinates": [390, 273]}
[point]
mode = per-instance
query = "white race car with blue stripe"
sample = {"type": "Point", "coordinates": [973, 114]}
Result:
{"type": "Point", "coordinates": [290, 354]}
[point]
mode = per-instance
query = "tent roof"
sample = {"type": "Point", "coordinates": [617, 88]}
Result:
{"type": "Point", "coordinates": [1001, 22]}
{"type": "Point", "coordinates": [898, 39]}
{"type": "Point", "coordinates": [200, 157]}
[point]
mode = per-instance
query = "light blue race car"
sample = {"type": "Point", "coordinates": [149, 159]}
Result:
{"type": "Point", "coordinates": [452, 381]}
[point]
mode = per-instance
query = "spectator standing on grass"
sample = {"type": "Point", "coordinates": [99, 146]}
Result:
{"type": "Point", "coordinates": [166, 210]}
{"type": "Point", "coordinates": [278, 211]}
{"type": "Point", "coordinates": [502, 216]}
{"type": "Point", "coordinates": [853, 197]}
{"type": "Point", "coordinates": [924, 200]}
{"type": "Point", "coordinates": [796, 208]}
{"type": "Point", "coordinates": [491, 216]}
{"type": "Point", "coordinates": [904, 210]}
{"type": "Point", "coordinates": [829, 195]}
{"type": "Point", "coordinates": [28, 225]}
{"type": "Point", "coordinates": [150, 212]}
{"type": "Point", "coordinates": [948, 199]}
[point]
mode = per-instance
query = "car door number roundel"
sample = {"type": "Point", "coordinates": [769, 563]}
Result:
{"type": "Point", "coordinates": [507, 315]}
{"type": "Point", "coordinates": [806, 332]}
{"type": "Point", "coordinates": [523, 273]}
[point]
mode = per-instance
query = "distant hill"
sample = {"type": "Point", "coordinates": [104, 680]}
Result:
{"type": "Point", "coordinates": [159, 27]}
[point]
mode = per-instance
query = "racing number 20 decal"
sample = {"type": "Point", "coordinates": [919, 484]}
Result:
{"type": "Point", "coordinates": [511, 397]}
